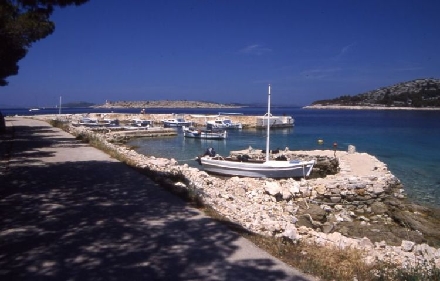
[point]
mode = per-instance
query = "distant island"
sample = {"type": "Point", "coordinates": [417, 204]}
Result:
{"type": "Point", "coordinates": [166, 104]}
{"type": "Point", "coordinates": [77, 104]}
{"type": "Point", "coordinates": [415, 94]}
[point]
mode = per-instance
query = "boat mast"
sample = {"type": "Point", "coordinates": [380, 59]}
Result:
{"type": "Point", "coordinates": [59, 109]}
{"type": "Point", "coordinates": [268, 126]}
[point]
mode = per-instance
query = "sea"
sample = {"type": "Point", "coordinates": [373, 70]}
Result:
{"type": "Point", "coordinates": [407, 141]}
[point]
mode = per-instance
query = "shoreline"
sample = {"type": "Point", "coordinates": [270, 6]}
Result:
{"type": "Point", "coordinates": [355, 208]}
{"type": "Point", "coordinates": [358, 107]}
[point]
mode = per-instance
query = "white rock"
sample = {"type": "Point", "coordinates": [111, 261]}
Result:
{"type": "Point", "coordinates": [407, 246]}
{"type": "Point", "coordinates": [291, 232]}
{"type": "Point", "coordinates": [272, 187]}
{"type": "Point", "coordinates": [294, 188]}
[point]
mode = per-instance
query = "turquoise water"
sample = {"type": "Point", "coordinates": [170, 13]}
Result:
{"type": "Point", "coordinates": [407, 141]}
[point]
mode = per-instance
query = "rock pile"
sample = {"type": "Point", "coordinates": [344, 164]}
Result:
{"type": "Point", "coordinates": [320, 210]}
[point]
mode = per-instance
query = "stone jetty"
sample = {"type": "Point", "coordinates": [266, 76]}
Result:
{"type": "Point", "coordinates": [248, 122]}
{"type": "Point", "coordinates": [350, 200]}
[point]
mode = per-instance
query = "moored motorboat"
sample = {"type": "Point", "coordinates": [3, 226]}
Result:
{"type": "Point", "coordinates": [94, 122]}
{"type": "Point", "coordinates": [109, 122]}
{"type": "Point", "coordinates": [175, 122]}
{"type": "Point", "coordinates": [191, 132]}
{"type": "Point", "coordinates": [88, 122]}
{"type": "Point", "coordinates": [223, 123]}
{"type": "Point", "coordinates": [141, 123]}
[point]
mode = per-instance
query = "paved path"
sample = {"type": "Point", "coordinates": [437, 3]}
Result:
{"type": "Point", "coordinates": [70, 212]}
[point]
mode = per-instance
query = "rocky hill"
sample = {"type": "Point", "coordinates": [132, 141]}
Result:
{"type": "Point", "coordinates": [165, 104]}
{"type": "Point", "coordinates": [419, 93]}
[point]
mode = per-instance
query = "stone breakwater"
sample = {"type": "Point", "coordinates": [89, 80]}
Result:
{"type": "Point", "coordinates": [125, 118]}
{"type": "Point", "coordinates": [361, 194]}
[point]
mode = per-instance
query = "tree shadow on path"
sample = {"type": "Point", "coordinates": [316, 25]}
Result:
{"type": "Point", "coordinates": [101, 220]}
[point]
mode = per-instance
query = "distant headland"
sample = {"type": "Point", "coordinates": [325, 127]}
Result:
{"type": "Point", "coordinates": [359, 107]}
{"type": "Point", "coordinates": [417, 94]}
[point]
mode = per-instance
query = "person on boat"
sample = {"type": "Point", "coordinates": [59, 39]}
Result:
{"type": "Point", "coordinates": [210, 152]}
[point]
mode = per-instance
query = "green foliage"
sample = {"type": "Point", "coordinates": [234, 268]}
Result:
{"type": "Point", "coordinates": [419, 96]}
{"type": "Point", "coordinates": [23, 22]}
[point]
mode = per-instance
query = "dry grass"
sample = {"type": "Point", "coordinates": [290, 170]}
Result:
{"type": "Point", "coordinates": [329, 263]}
{"type": "Point", "coordinates": [323, 262]}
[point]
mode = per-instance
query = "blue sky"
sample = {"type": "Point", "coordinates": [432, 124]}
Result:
{"type": "Point", "coordinates": [228, 51]}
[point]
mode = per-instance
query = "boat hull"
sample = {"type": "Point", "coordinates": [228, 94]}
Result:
{"type": "Point", "coordinates": [223, 124]}
{"type": "Point", "coordinates": [269, 169]}
{"type": "Point", "coordinates": [205, 135]}
{"type": "Point", "coordinates": [177, 122]}
{"type": "Point", "coordinates": [171, 124]}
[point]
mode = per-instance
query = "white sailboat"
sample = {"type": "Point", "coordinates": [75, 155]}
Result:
{"type": "Point", "coordinates": [255, 168]}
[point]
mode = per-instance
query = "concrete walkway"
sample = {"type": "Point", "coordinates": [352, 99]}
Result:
{"type": "Point", "coordinates": [70, 212]}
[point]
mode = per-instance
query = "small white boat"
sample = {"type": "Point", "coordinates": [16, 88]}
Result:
{"type": "Point", "coordinates": [257, 168]}
{"type": "Point", "coordinates": [223, 123]}
{"type": "Point", "coordinates": [274, 121]}
{"type": "Point", "coordinates": [191, 132]}
{"type": "Point", "coordinates": [176, 122]}
{"type": "Point", "coordinates": [89, 122]}
{"type": "Point", "coordinates": [34, 109]}
{"type": "Point", "coordinates": [141, 123]}
{"type": "Point", "coordinates": [109, 122]}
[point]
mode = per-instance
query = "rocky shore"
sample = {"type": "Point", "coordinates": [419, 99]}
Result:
{"type": "Point", "coordinates": [350, 200]}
